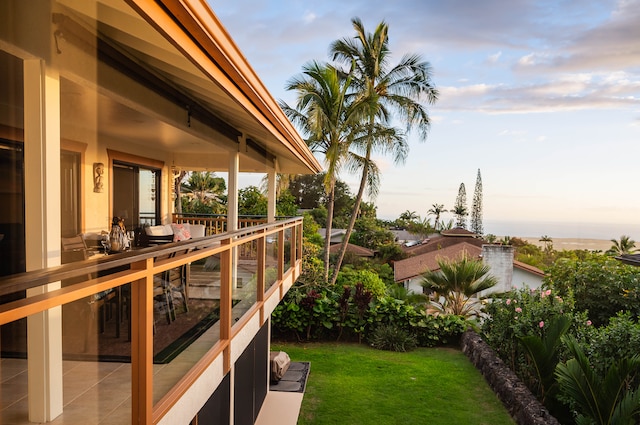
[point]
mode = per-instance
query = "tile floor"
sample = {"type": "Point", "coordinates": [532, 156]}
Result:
{"type": "Point", "coordinates": [100, 392]}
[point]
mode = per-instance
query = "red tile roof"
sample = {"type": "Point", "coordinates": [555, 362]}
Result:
{"type": "Point", "coordinates": [418, 264]}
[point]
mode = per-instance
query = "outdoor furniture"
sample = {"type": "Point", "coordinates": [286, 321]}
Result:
{"type": "Point", "coordinates": [101, 303]}
{"type": "Point", "coordinates": [173, 232]}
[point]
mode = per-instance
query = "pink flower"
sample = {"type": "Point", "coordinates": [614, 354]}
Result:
{"type": "Point", "coordinates": [548, 292]}
{"type": "Point", "coordinates": [541, 324]}
{"type": "Point", "coordinates": [518, 310]}
{"type": "Point", "coordinates": [588, 322]}
{"type": "Point", "coordinates": [508, 301]}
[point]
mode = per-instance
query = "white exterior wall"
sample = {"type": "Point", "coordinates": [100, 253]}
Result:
{"type": "Point", "coordinates": [500, 259]}
{"type": "Point", "coordinates": [522, 278]}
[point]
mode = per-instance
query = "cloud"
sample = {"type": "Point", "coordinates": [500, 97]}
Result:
{"type": "Point", "coordinates": [495, 57]}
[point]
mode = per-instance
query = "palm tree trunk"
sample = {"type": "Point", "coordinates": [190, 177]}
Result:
{"type": "Point", "coordinates": [354, 216]}
{"type": "Point", "coordinates": [328, 227]}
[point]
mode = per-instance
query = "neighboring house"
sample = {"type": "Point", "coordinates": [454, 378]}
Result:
{"type": "Point", "coordinates": [336, 234]}
{"type": "Point", "coordinates": [451, 246]}
{"type": "Point", "coordinates": [102, 104]}
{"type": "Point", "coordinates": [406, 238]}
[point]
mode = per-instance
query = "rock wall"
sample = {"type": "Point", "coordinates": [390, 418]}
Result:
{"type": "Point", "coordinates": [524, 408]}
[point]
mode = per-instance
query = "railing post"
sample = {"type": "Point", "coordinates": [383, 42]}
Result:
{"type": "Point", "coordinates": [142, 346]}
{"type": "Point", "coordinates": [299, 229]}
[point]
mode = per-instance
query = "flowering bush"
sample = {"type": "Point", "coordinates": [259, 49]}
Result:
{"type": "Point", "coordinates": [523, 313]}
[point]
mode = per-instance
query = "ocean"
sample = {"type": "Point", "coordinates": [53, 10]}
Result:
{"type": "Point", "coordinates": [562, 229]}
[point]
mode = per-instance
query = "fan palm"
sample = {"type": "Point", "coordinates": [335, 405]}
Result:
{"type": "Point", "coordinates": [456, 286]}
{"type": "Point", "coordinates": [325, 115]}
{"type": "Point", "coordinates": [600, 400]}
{"type": "Point", "coordinates": [389, 92]}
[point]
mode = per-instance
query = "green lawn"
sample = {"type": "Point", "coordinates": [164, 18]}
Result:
{"type": "Point", "coordinates": [357, 385]}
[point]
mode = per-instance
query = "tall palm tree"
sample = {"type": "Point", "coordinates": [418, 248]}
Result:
{"type": "Point", "coordinates": [325, 115]}
{"type": "Point", "coordinates": [436, 210]}
{"type": "Point", "coordinates": [625, 245]}
{"type": "Point", "coordinates": [455, 286]}
{"type": "Point", "coordinates": [390, 92]}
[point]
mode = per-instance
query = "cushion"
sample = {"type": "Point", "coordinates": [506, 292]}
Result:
{"type": "Point", "coordinates": [197, 230]}
{"type": "Point", "coordinates": [161, 230]}
{"type": "Point", "coordinates": [181, 232]}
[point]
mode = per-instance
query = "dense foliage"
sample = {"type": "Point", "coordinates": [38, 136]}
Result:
{"type": "Point", "coordinates": [351, 312]}
{"type": "Point", "coordinates": [577, 335]}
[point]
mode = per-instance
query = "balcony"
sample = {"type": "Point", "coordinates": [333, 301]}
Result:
{"type": "Point", "coordinates": [115, 302]}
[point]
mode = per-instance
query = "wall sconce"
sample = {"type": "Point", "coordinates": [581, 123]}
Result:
{"type": "Point", "coordinates": [98, 177]}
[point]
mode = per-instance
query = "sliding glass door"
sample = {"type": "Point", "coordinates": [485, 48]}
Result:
{"type": "Point", "coordinates": [136, 196]}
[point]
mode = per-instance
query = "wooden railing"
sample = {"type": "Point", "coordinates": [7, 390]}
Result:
{"type": "Point", "coordinates": [216, 223]}
{"type": "Point", "coordinates": [138, 269]}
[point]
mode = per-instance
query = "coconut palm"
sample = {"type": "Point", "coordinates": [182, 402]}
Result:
{"type": "Point", "coordinates": [600, 400]}
{"type": "Point", "coordinates": [389, 92]}
{"type": "Point", "coordinates": [409, 216]}
{"type": "Point", "coordinates": [456, 285]}
{"type": "Point", "coordinates": [325, 115]}
{"type": "Point", "coordinates": [436, 210]}
{"type": "Point", "coordinates": [625, 245]}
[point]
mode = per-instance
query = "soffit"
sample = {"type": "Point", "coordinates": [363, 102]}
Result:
{"type": "Point", "coordinates": [135, 41]}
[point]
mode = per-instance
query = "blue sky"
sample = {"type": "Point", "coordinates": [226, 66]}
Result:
{"type": "Point", "coordinates": [542, 96]}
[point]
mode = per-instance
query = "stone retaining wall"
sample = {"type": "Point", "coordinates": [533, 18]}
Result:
{"type": "Point", "coordinates": [524, 408]}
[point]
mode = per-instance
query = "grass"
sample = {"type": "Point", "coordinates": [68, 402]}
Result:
{"type": "Point", "coordinates": [358, 385]}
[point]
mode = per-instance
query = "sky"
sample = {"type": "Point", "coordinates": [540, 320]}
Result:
{"type": "Point", "coordinates": [543, 97]}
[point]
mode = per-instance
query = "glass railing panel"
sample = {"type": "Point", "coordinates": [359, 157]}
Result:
{"type": "Point", "coordinates": [96, 360]}
{"type": "Point", "coordinates": [288, 241]}
{"type": "Point", "coordinates": [271, 261]}
{"type": "Point", "coordinates": [244, 292]}
{"type": "Point", "coordinates": [186, 319]}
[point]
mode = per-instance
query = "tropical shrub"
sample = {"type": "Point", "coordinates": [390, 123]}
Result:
{"type": "Point", "coordinates": [522, 313]}
{"type": "Point", "coordinates": [599, 398]}
{"type": "Point", "coordinates": [455, 286]}
{"type": "Point", "coordinates": [312, 313]}
{"type": "Point", "coordinates": [393, 338]}
{"type": "Point", "coordinates": [368, 278]}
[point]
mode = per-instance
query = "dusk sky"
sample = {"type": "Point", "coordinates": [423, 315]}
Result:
{"type": "Point", "coordinates": [542, 96]}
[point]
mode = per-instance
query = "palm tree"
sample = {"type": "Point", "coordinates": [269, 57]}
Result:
{"type": "Point", "coordinates": [388, 91]}
{"type": "Point", "coordinates": [548, 242]}
{"type": "Point", "coordinates": [409, 216]}
{"type": "Point", "coordinates": [327, 118]}
{"type": "Point", "coordinates": [456, 285]}
{"type": "Point", "coordinates": [625, 245]}
{"type": "Point", "coordinates": [204, 190]}
{"type": "Point", "coordinates": [437, 210]}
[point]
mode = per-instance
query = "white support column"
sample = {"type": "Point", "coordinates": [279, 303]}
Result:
{"type": "Point", "coordinates": [271, 194]}
{"type": "Point", "coordinates": [232, 201]}
{"type": "Point", "coordinates": [232, 205]}
{"type": "Point", "coordinates": [42, 234]}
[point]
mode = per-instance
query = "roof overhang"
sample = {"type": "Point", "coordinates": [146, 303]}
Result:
{"type": "Point", "coordinates": [170, 76]}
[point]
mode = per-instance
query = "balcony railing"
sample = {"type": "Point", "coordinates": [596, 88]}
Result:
{"type": "Point", "coordinates": [248, 292]}
{"type": "Point", "coordinates": [216, 223]}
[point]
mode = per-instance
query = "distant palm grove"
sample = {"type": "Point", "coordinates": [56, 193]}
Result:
{"type": "Point", "coordinates": [574, 341]}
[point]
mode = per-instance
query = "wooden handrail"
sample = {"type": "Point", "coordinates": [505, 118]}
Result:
{"type": "Point", "coordinates": [27, 280]}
